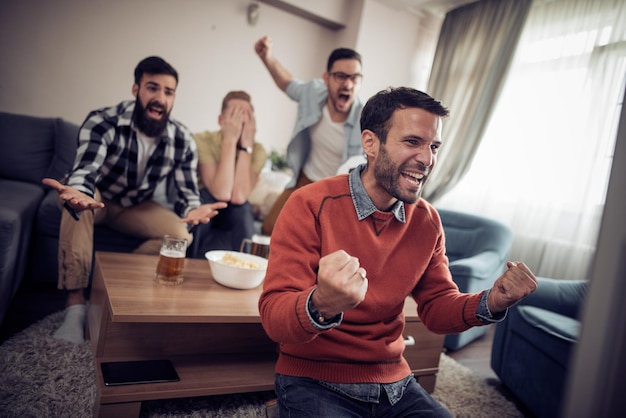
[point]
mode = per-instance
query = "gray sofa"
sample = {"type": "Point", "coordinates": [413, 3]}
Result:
{"type": "Point", "coordinates": [32, 148]}
{"type": "Point", "coordinates": [532, 348]}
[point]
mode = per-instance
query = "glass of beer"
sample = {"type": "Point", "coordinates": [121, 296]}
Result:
{"type": "Point", "coordinates": [258, 245]}
{"type": "Point", "coordinates": [171, 261]}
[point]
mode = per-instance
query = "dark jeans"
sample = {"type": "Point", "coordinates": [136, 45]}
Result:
{"type": "Point", "coordinates": [304, 397]}
{"type": "Point", "coordinates": [225, 231]}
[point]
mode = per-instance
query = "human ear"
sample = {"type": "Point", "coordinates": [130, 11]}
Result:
{"type": "Point", "coordinates": [135, 89]}
{"type": "Point", "coordinates": [370, 143]}
{"type": "Point", "coordinates": [325, 78]}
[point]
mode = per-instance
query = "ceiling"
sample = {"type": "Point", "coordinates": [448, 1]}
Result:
{"type": "Point", "coordinates": [438, 7]}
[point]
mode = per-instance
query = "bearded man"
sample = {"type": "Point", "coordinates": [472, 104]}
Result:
{"type": "Point", "coordinates": [340, 271]}
{"type": "Point", "coordinates": [135, 171]}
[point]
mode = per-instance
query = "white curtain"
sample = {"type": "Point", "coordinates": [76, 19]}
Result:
{"type": "Point", "coordinates": [543, 164]}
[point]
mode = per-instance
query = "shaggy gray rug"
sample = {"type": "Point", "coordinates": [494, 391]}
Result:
{"type": "Point", "coordinates": [44, 377]}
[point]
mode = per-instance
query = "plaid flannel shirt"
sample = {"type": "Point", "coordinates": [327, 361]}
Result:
{"type": "Point", "coordinates": [106, 159]}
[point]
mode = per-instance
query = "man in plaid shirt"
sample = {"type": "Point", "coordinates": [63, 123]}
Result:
{"type": "Point", "coordinates": [135, 170]}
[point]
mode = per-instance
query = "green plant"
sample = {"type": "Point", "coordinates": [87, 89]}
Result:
{"type": "Point", "coordinates": [279, 160]}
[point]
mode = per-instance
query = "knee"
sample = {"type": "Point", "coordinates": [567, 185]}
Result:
{"type": "Point", "coordinates": [242, 211]}
{"type": "Point", "coordinates": [182, 232]}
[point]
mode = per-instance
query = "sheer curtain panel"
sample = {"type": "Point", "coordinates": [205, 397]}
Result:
{"type": "Point", "coordinates": [543, 163]}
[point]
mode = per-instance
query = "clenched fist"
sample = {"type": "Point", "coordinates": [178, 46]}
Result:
{"type": "Point", "coordinates": [341, 284]}
{"type": "Point", "coordinates": [516, 283]}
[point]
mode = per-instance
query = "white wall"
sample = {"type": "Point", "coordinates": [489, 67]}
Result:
{"type": "Point", "coordinates": [397, 48]}
{"type": "Point", "coordinates": [64, 58]}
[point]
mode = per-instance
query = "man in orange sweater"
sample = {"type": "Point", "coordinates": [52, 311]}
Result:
{"type": "Point", "coordinates": [346, 252]}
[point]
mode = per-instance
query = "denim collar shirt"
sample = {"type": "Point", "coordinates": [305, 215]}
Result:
{"type": "Point", "coordinates": [371, 392]}
{"type": "Point", "coordinates": [311, 97]}
{"type": "Point", "coordinates": [364, 207]}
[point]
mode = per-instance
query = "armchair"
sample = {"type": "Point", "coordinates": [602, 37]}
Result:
{"type": "Point", "coordinates": [532, 347]}
{"type": "Point", "coordinates": [477, 248]}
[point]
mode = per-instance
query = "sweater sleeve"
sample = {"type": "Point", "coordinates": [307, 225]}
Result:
{"type": "Point", "coordinates": [291, 275]}
{"type": "Point", "coordinates": [440, 305]}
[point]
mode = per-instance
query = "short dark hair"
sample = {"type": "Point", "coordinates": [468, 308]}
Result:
{"type": "Point", "coordinates": [342, 54]}
{"type": "Point", "coordinates": [235, 94]}
{"type": "Point", "coordinates": [379, 108]}
{"type": "Point", "coordinates": [154, 65]}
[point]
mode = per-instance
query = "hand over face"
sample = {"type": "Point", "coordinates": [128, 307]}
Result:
{"type": "Point", "coordinates": [516, 283]}
{"type": "Point", "coordinates": [341, 284]}
{"type": "Point", "coordinates": [231, 122]}
{"type": "Point", "coordinates": [76, 199]}
{"type": "Point", "coordinates": [249, 128]}
{"type": "Point", "coordinates": [204, 213]}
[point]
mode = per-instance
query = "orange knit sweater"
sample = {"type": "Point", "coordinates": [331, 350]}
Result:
{"type": "Point", "coordinates": [401, 259]}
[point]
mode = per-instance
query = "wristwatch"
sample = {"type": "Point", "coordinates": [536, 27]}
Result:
{"type": "Point", "coordinates": [246, 149]}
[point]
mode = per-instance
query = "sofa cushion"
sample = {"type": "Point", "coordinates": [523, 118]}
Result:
{"type": "Point", "coordinates": [65, 143]}
{"type": "Point", "coordinates": [565, 297]}
{"type": "Point", "coordinates": [559, 326]}
{"type": "Point", "coordinates": [31, 141]}
{"type": "Point", "coordinates": [40, 147]}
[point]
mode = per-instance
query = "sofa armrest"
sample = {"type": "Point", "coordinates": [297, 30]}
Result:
{"type": "Point", "coordinates": [480, 266]}
{"type": "Point", "coordinates": [564, 297]}
{"type": "Point", "coordinates": [476, 273]}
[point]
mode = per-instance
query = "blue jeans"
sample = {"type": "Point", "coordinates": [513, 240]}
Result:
{"type": "Point", "coordinates": [305, 397]}
{"type": "Point", "coordinates": [225, 231]}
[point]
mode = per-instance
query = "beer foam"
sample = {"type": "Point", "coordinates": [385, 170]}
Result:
{"type": "Point", "coordinates": [261, 239]}
{"type": "Point", "coordinates": [173, 253]}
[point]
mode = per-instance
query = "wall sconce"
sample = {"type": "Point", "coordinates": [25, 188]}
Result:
{"type": "Point", "coordinates": [253, 13]}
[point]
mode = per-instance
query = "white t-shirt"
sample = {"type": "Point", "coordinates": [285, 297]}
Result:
{"type": "Point", "coordinates": [327, 145]}
{"type": "Point", "coordinates": [145, 147]}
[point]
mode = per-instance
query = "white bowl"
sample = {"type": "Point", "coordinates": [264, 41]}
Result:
{"type": "Point", "coordinates": [233, 276]}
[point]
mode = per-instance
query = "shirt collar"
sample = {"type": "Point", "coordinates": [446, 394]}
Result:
{"type": "Point", "coordinates": [363, 203]}
{"type": "Point", "coordinates": [126, 118]}
{"type": "Point", "coordinates": [355, 112]}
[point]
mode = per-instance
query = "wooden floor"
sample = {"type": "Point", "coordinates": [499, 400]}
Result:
{"type": "Point", "coordinates": [476, 356]}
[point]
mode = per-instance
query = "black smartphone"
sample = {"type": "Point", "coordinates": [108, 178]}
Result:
{"type": "Point", "coordinates": [134, 372]}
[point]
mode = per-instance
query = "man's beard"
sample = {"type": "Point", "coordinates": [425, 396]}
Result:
{"type": "Point", "coordinates": [152, 128]}
{"type": "Point", "coordinates": [388, 177]}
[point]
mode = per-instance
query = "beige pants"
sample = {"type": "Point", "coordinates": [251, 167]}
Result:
{"type": "Point", "coordinates": [147, 220]}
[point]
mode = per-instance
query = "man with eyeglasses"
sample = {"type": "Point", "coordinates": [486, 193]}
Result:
{"type": "Point", "coordinates": [327, 131]}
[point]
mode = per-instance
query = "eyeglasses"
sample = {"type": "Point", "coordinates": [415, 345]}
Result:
{"type": "Point", "coordinates": [343, 77]}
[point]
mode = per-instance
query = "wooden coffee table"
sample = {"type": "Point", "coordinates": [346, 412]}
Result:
{"type": "Point", "coordinates": [212, 334]}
